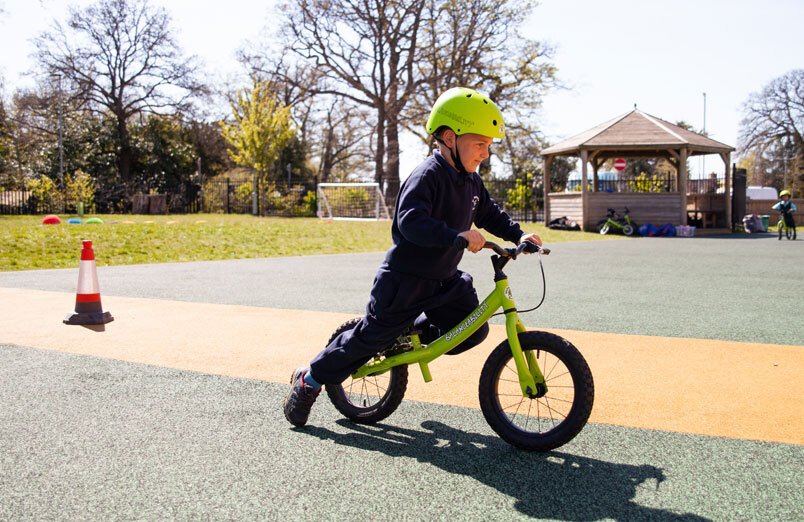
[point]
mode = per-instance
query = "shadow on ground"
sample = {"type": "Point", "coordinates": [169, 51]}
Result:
{"type": "Point", "coordinates": [550, 485]}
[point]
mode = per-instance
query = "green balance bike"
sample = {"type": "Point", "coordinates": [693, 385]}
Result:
{"type": "Point", "coordinates": [536, 390]}
{"type": "Point", "coordinates": [615, 223]}
{"type": "Point", "coordinates": [787, 225]}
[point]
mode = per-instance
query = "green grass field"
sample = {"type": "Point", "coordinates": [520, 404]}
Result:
{"type": "Point", "coordinates": [26, 244]}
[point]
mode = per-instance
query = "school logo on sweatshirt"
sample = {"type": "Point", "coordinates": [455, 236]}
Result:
{"type": "Point", "coordinates": [475, 201]}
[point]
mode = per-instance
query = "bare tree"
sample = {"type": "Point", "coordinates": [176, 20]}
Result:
{"type": "Point", "coordinates": [293, 82]}
{"type": "Point", "coordinates": [119, 56]}
{"type": "Point", "coordinates": [772, 129]}
{"type": "Point", "coordinates": [343, 149]}
{"type": "Point", "coordinates": [477, 43]}
{"type": "Point", "coordinates": [366, 51]}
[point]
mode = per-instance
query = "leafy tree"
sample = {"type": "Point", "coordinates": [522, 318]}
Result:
{"type": "Point", "coordinates": [164, 156]}
{"type": "Point", "coordinates": [79, 188]}
{"type": "Point", "coordinates": [88, 139]}
{"type": "Point", "coordinates": [561, 169]}
{"type": "Point", "coordinates": [45, 195]}
{"type": "Point", "coordinates": [6, 144]}
{"type": "Point", "coordinates": [261, 128]}
{"type": "Point", "coordinates": [209, 147]}
{"type": "Point", "coordinates": [294, 82]}
{"type": "Point", "coordinates": [119, 56]}
{"type": "Point", "coordinates": [771, 131]}
{"type": "Point", "coordinates": [521, 196]}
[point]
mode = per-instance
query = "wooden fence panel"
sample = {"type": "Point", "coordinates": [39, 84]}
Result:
{"type": "Point", "coordinates": [763, 207]}
{"type": "Point", "coordinates": [566, 204]}
{"type": "Point", "coordinates": [645, 207]}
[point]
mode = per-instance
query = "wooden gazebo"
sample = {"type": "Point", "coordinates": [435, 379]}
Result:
{"type": "Point", "coordinates": [630, 136]}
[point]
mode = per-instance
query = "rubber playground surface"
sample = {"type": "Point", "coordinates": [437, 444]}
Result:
{"type": "Point", "coordinates": [173, 411]}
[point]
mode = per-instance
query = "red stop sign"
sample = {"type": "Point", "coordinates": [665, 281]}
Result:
{"type": "Point", "coordinates": [619, 164]}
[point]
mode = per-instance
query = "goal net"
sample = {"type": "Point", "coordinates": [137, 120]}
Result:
{"type": "Point", "coordinates": [351, 201]}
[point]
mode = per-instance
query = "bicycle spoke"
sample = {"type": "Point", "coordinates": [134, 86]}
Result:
{"type": "Point", "coordinates": [561, 400]}
{"type": "Point", "coordinates": [549, 373]}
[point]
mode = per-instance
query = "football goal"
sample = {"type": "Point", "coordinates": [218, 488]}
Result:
{"type": "Point", "coordinates": [351, 201]}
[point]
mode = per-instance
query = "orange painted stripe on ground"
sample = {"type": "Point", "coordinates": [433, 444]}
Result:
{"type": "Point", "coordinates": [721, 388]}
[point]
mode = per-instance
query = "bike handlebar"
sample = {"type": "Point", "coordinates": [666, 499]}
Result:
{"type": "Point", "coordinates": [525, 246]}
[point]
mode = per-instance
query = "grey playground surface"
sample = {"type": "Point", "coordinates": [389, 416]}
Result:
{"type": "Point", "coordinates": [748, 288]}
{"type": "Point", "coordinates": [83, 438]}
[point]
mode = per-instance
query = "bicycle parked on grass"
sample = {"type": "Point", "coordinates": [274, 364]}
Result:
{"type": "Point", "coordinates": [536, 390]}
{"type": "Point", "coordinates": [615, 222]}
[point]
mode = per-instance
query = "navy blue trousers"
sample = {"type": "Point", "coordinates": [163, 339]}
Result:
{"type": "Point", "coordinates": [397, 301]}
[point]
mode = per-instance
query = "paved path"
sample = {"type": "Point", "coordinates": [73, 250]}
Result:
{"type": "Point", "coordinates": [173, 411]}
{"type": "Point", "coordinates": [743, 289]}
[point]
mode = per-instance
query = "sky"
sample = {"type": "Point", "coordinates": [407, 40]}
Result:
{"type": "Point", "coordinates": [611, 55]}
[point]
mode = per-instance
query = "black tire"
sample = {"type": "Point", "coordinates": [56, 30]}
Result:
{"type": "Point", "coordinates": [780, 226]}
{"type": "Point", "coordinates": [629, 230]}
{"type": "Point", "coordinates": [603, 228]}
{"type": "Point", "coordinates": [562, 411]}
{"type": "Point", "coordinates": [372, 398]}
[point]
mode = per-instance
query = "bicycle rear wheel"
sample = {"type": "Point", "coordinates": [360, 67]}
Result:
{"type": "Point", "coordinates": [547, 420]}
{"type": "Point", "coordinates": [372, 398]}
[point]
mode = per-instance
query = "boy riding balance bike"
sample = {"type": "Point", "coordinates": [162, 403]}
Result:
{"type": "Point", "coordinates": [421, 306]}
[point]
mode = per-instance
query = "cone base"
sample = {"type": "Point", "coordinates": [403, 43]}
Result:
{"type": "Point", "coordinates": [89, 318]}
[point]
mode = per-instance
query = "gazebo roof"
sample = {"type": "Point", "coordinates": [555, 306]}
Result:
{"type": "Point", "coordinates": [636, 131]}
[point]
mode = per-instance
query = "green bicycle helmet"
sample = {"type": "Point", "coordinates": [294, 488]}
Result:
{"type": "Point", "coordinates": [784, 193]}
{"type": "Point", "coordinates": [466, 111]}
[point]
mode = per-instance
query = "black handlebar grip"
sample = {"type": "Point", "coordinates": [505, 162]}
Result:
{"type": "Point", "coordinates": [460, 243]}
{"type": "Point", "coordinates": [531, 247]}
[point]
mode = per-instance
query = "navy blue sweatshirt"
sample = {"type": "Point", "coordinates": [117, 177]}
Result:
{"type": "Point", "coordinates": [434, 205]}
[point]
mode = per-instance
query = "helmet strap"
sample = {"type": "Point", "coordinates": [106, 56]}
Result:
{"type": "Point", "coordinates": [454, 155]}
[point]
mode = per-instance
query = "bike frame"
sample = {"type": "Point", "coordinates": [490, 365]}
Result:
{"type": "Point", "coordinates": [531, 379]}
{"type": "Point", "coordinates": [782, 224]}
{"type": "Point", "coordinates": [619, 222]}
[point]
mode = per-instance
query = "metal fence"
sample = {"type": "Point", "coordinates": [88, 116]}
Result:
{"type": "Point", "coordinates": [655, 183]}
{"type": "Point", "coordinates": [288, 198]}
{"type": "Point", "coordinates": [522, 202]}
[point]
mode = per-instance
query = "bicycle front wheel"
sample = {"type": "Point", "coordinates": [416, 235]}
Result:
{"type": "Point", "coordinates": [372, 398]}
{"type": "Point", "coordinates": [550, 419]}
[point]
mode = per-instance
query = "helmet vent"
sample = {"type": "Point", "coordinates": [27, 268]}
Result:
{"type": "Point", "coordinates": [469, 95]}
{"type": "Point", "coordinates": [486, 102]}
{"type": "Point", "coordinates": [494, 122]}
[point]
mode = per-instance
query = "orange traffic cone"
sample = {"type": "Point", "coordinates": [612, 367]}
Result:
{"type": "Point", "coordinates": [88, 308]}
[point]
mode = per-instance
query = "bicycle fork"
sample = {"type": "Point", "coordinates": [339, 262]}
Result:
{"type": "Point", "coordinates": [531, 378]}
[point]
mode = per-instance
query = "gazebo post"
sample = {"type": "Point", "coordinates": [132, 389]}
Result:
{"type": "Point", "coordinates": [548, 166]}
{"type": "Point", "coordinates": [682, 183]}
{"type": "Point", "coordinates": [584, 195]}
{"type": "Point", "coordinates": [726, 157]}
